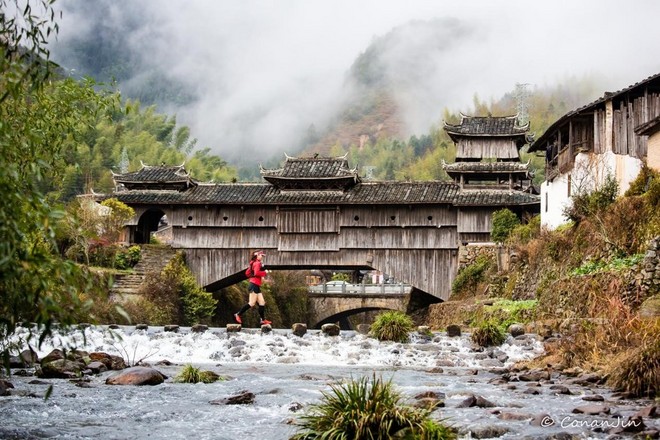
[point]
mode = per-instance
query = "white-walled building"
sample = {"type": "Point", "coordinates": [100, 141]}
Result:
{"type": "Point", "coordinates": [607, 137]}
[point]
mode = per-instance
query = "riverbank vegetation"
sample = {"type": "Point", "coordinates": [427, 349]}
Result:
{"type": "Point", "coordinates": [590, 281]}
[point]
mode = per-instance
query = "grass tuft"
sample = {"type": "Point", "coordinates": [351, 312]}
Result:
{"type": "Point", "coordinates": [368, 409]}
{"type": "Point", "coordinates": [392, 326]}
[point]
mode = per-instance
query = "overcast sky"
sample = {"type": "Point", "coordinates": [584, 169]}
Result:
{"type": "Point", "coordinates": [264, 70]}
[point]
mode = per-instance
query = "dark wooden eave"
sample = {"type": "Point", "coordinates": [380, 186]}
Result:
{"type": "Point", "coordinates": [312, 173]}
{"type": "Point", "coordinates": [160, 177]}
{"type": "Point", "coordinates": [487, 126]}
{"type": "Point", "coordinates": [652, 83]}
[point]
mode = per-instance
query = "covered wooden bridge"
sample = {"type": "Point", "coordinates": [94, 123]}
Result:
{"type": "Point", "coordinates": [317, 213]}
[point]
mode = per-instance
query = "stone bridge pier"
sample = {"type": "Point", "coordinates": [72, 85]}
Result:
{"type": "Point", "coordinates": [329, 308]}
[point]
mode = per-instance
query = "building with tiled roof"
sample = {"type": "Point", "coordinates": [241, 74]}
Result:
{"type": "Point", "coordinates": [488, 154]}
{"type": "Point", "coordinates": [611, 136]}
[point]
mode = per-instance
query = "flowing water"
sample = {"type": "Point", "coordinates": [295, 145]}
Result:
{"type": "Point", "coordinates": [286, 373]}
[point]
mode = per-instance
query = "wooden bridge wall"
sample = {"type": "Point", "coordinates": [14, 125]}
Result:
{"type": "Point", "coordinates": [416, 244]}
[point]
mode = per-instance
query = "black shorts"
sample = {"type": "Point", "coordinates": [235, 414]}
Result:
{"type": "Point", "coordinates": [254, 288]}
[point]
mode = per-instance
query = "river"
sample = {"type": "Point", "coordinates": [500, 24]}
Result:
{"type": "Point", "coordinates": [287, 372]}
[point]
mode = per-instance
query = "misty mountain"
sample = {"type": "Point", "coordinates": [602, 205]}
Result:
{"type": "Point", "coordinates": [394, 88]}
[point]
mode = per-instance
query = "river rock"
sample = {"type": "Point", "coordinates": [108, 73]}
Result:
{"type": "Point", "coordinates": [137, 376]}
{"type": "Point", "coordinates": [299, 329]}
{"type": "Point", "coordinates": [534, 376]}
{"type": "Point", "coordinates": [111, 361]}
{"type": "Point", "coordinates": [199, 328]}
{"type": "Point", "coordinates": [141, 327]}
{"type": "Point", "coordinates": [171, 328]}
{"type": "Point", "coordinates": [560, 389]}
{"type": "Point", "coordinates": [330, 329]}
{"type": "Point", "coordinates": [52, 356]}
{"type": "Point", "coordinates": [5, 386]}
{"type": "Point", "coordinates": [492, 431]}
{"type": "Point", "coordinates": [649, 411]}
{"type": "Point", "coordinates": [477, 401]}
{"type": "Point", "coordinates": [97, 367]}
{"type": "Point", "coordinates": [61, 369]}
{"type": "Point", "coordinates": [233, 328]}
{"type": "Point", "coordinates": [453, 330]}
{"type": "Point", "coordinates": [514, 416]}
{"type": "Point", "coordinates": [592, 410]}
{"type": "Point", "coordinates": [593, 398]}
{"type": "Point", "coordinates": [244, 398]}
{"type": "Point", "coordinates": [516, 330]}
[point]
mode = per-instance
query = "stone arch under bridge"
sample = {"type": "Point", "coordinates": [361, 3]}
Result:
{"type": "Point", "coordinates": [329, 308]}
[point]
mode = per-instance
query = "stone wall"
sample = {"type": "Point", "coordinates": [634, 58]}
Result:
{"type": "Point", "coordinates": [469, 253]}
{"type": "Point", "coordinates": [646, 281]}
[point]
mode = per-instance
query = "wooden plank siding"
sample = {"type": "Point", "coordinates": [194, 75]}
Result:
{"type": "Point", "coordinates": [487, 147]}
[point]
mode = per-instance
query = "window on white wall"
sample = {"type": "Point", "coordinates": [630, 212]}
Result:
{"type": "Point", "coordinates": [569, 185]}
{"type": "Point", "coordinates": [546, 202]}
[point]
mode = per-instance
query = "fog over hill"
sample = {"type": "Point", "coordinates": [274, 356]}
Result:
{"type": "Point", "coordinates": [249, 78]}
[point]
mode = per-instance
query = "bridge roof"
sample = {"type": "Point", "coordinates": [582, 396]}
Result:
{"type": "Point", "coordinates": [495, 198]}
{"type": "Point", "coordinates": [312, 173]}
{"type": "Point", "coordinates": [266, 194]}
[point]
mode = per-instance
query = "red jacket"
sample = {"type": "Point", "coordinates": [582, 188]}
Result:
{"type": "Point", "coordinates": [258, 272]}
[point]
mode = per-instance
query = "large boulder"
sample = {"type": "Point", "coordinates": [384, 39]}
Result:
{"type": "Point", "coordinates": [61, 369]}
{"type": "Point", "coordinates": [137, 376]}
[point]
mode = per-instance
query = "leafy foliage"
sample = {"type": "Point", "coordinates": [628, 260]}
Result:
{"type": "Point", "coordinates": [585, 204]}
{"type": "Point", "coordinates": [471, 275]}
{"type": "Point", "coordinates": [487, 334]}
{"type": "Point", "coordinates": [392, 326]}
{"type": "Point", "coordinates": [504, 222]}
{"type": "Point", "coordinates": [173, 296]}
{"type": "Point", "coordinates": [40, 119]}
{"type": "Point", "coordinates": [363, 409]}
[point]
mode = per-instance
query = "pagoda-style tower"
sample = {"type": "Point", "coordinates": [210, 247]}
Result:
{"type": "Point", "coordinates": [313, 173]}
{"type": "Point", "coordinates": [174, 178]}
{"type": "Point", "coordinates": [488, 153]}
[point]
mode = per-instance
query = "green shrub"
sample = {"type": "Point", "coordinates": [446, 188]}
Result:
{"type": "Point", "coordinates": [504, 221]}
{"type": "Point", "coordinates": [586, 204]}
{"type": "Point", "coordinates": [471, 275]}
{"type": "Point", "coordinates": [639, 373]}
{"type": "Point", "coordinates": [174, 297]}
{"type": "Point", "coordinates": [191, 374]}
{"type": "Point", "coordinates": [488, 334]}
{"type": "Point", "coordinates": [363, 409]}
{"type": "Point", "coordinates": [128, 258]}
{"type": "Point", "coordinates": [523, 233]}
{"type": "Point", "coordinates": [392, 326]}
{"type": "Point", "coordinates": [506, 312]}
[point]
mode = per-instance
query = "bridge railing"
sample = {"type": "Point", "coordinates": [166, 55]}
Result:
{"type": "Point", "coordinates": [360, 289]}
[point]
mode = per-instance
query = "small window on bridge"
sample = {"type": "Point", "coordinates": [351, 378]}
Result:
{"type": "Point", "coordinates": [261, 218]}
{"type": "Point", "coordinates": [430, 217]}
{"type": "Point", "coordinates": [190, 218]}
{"type": "Point", "coordinates": [356, 218]}
{"type": "Point", "coordinates": [393, 217]}
{"type": "Point", "coordinates": [225, 218]}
